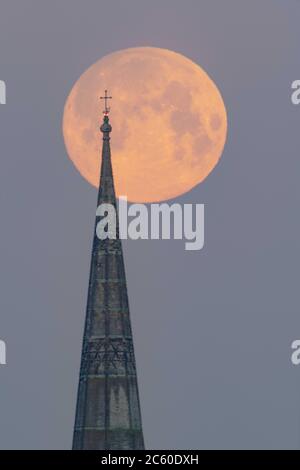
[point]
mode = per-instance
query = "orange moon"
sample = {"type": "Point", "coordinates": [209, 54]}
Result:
{"type": "Point", "coordinates": [168, 120]}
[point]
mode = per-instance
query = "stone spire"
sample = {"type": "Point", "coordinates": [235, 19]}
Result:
{"type": "Point", "coordinates": [108, 411]}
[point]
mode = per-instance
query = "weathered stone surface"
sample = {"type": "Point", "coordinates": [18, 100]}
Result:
{"type": "Point", "coordinates": [108, 412]}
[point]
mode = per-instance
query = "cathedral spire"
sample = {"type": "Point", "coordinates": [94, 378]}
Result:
{"type": "Point", "coordinates": [108, 410]}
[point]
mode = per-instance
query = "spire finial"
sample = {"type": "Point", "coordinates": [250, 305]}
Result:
{"type": "Point", "coordinates": [105, 98]}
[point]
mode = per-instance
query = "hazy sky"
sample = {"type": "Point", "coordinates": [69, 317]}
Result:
{"type": "Point", "coordinates": [213, 328]}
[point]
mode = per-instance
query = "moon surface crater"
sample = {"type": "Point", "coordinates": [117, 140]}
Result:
{"type": "Point", "coordinates": [168, 118]}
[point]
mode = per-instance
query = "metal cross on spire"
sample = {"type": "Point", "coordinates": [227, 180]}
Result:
{"type": "Point", "coordinates": [105, 98]}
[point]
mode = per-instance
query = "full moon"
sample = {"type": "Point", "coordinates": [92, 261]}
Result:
{"type": "Point", "coordinates": [168, 120]}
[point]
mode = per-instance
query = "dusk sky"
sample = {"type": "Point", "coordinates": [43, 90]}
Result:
{"type": "Point", "coordinates": [212, 328]}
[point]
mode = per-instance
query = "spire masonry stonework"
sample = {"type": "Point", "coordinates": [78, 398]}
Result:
{"type": "Point", "coordinates": [108, 410]}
